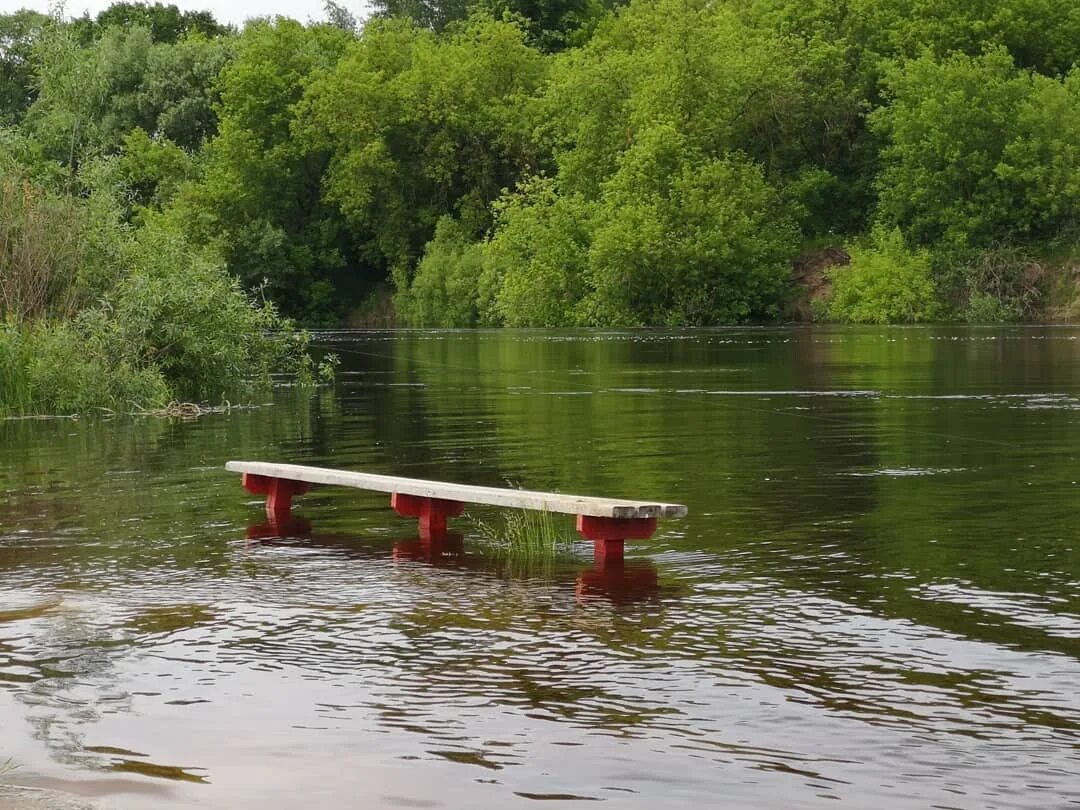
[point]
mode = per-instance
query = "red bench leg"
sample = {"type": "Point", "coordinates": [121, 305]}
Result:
{"type": "Point", "coordinates": [279, 493]}
{"type": "Point", "coordinates": [608, 534]}
{"type": "Point", "coordinates": [431, 512]}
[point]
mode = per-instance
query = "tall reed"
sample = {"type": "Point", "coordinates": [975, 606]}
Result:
{"type": "Point", "coordinates": [526, 535]}
{"type": "Point", "coordinates": [14, 362]}
{"type": "Point", "coordinates": [41, 250]}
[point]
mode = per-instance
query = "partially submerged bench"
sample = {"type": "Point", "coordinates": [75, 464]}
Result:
{"type": "Point", "coordinates": [606, 521]}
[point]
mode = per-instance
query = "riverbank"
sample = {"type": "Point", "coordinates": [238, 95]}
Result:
{"type": "Point", "coordinates": [1012, 288]}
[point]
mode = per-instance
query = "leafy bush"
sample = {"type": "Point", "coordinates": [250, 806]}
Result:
{"type": "Point", "coordinates": [884, 283]}
{"type": "Point", "coordinates": [81, 366]}
{"type": "Point", "coordinates": [96, 314]}
{"type": "Point", "coordinates": [683, 240]}
{"type": "Point", "coordinates": [190, 319]}
{"type": "Point", "coordinates": [674, 239]}
{"type": "Point", "coordinates": [445, 290]}
{"type": "Point", "coordinates": [63, 367]}
{"type": "Point", "coordinates": [534, 264]}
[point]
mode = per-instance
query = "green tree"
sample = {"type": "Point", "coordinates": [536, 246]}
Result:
{"type": "Point", "coordinates": [552, 25]}
{"type": "Point", "coordinates": [685, 240]}
{"type": "Point", "coordinates": [692, 65]}
{"type": "Point", "coordinates": [259, 200]}
{"type": "Point", "coordinates": [662, 211]}
{"type": "Point", "coordinates": [91, 97]}
{"type": "Point", "coordinates": [340, 17]}
{"type": "Point", "coordinates": [144, 177]}
{"type": "Point", "coordinates": [419, 127]}
{"type": "Point", "coordinates": [166, 23]}
{"type": "Point", "coordinates": [435, 15]}
{"type": "Point", "coordinates": [18, 32]}
{"type": "Point", "coordinates": [847, 47]}
{"type": "Point", "coordinates": [445, 289]}
{"type": "Point", "coordinates": [1043, 35]}
{"type": "Point", "coordinates": [535, 263]}
{"type": "Point", "coordinates": [978, 151]}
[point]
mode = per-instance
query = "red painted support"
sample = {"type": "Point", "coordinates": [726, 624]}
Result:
{"type": "Point", "coordinates": [432, 512]}
{"type": "Point", "coordinates": [608, 534]}
{"type": "Point", "coordinates": [279, 493]}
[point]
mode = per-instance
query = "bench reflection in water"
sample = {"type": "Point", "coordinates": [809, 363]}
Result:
{"type": "Point", "coordinates": [618, 580]}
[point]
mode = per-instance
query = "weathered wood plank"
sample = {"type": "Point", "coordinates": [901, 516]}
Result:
{"type": "Point", "coordinates": [465, 493]}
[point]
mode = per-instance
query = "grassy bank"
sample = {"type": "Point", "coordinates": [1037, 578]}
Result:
{"type": "Point", "coordinates": [96, 313]}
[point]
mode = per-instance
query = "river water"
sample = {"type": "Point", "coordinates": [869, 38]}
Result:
{"type": "Point", "coordinates": [874, 601]}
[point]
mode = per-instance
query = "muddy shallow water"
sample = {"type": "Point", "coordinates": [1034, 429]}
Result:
{"type": "Point", "coordinates": [875, 599]}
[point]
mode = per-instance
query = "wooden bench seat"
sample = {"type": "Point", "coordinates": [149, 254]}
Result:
{"type": "Point", "coordinates": [608, 521]}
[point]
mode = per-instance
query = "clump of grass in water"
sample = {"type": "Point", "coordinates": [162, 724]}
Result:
{"type": "Point", "coordinates": [529, 541]}
{"type": "Point", "coordinates": [7, 766]}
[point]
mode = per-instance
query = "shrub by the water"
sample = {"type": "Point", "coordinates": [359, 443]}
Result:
{"type": "Point", "coordinates": [534, 264]}
{"type": "Point", "coordinates": [886, 282]}
{"type": "Point", "coordinates": [1001, 285]}
{"type": "Point", "coordinates": [192, 321]}
{"type": "Point", "coordinates": [94, 314]}
{"type": "Point", "coordinates": [56, 251]}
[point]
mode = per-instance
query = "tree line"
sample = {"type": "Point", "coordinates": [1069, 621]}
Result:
{"type": "Point", "coordinates": [577, 162]}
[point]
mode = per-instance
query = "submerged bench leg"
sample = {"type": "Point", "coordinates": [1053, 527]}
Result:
{"type": "Point", "coordinates": [608, 534]}
{"type": "Point", "coordinates": [431, 512]}
{"type": "Point", "coordinates": [279, 493]}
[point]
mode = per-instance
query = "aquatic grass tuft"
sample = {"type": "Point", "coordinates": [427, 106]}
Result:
{"type": "Point", "coordinates": [7, 766]}
{"type": "Point", "coordinates": [526, 535]}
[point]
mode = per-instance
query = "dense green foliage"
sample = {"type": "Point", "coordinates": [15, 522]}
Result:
{"type": "Point", "coordinates": [18, 33]}
{"type": "Point", "coordinates": [165, 23]}
{"type": "Point", "coordinates": [568, 162]}
{"type": "Point", "coordinates": [417, 128]}
{"type": "Point", "coordinates": [979, 151]}
{"type": "Point", "coordinates": [661, 212]}
{"type": "Point", "coordinates": [445, 291]}
{"type": "Point", "coordinates": [259, 199]}
{"type": "Point", "coordinates": [97, 314]}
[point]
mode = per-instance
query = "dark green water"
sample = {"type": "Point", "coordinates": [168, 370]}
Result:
{"type": "Point", "coordinates": [875, 598]}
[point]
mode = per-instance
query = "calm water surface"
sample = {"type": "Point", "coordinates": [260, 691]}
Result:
{"type": "Point", "coordinates": [874, 602]}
